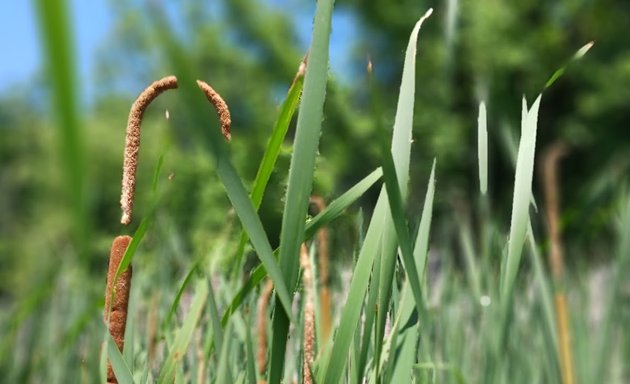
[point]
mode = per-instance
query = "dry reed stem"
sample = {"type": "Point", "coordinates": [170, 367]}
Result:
{"type": "Point", "coordinates": [132, 138]}
{"type": "Point", "coordinates": [323, 259]}
{"type": "Point", "coordinates": [309, 315]}
{"type": "Point", "coordinates": [556, 256]}
{"type": "Point", "coordinates": [117, 297]}
{"type": "Point", "coordinates": [263, 304]}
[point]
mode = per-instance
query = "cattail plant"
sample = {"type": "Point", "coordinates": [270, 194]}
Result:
{"type": "Point", "coordinates": [118, 287]}
{"type": "Point", "coordinates": [556, 255]}
{"type": "Point", "coordinates": [117, 296]}
{"type": "Point", "coordinates": [309, 315]}
{"type": "Point", "coordinates": [323, 259]}
{"type": "Point", "coordinates": [263, 304]}
{"type": "Point", "coordinates": [132, 139]}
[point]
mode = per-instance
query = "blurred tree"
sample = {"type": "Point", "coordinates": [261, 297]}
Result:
{"type": "Point", "coordinates": [498, 51]}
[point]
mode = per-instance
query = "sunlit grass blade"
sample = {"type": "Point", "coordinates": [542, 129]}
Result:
{"type": "Point", "coordinates": [178, 296]}
{"type": "Point", "coordinates": [300, 181]}
{"type": "Point", "coordinates": [522, 196]}
{"type": "Point", "coordinates": [230, 179]}
{"type": "Point", "coordinates": [368, 324]}
{"type": "Point", "coordinates": [215, 323]}
{"type": "Point", "coordinates": [325, 217]}
{"type": "Point", "coordinates": [421, 247]}
{"type": "Point", "coordinates": [402, 232]}
{"type": "Point", "coordinates": [249, 353]}
{"type": "Point", "coordinates": [272, 150]}
{"type": "Point", "coordinates": [223, 368]}
{"type": "Point", "coordinates": [120, 367]}
{"type": "Point", "coordinates": [560, 71]}
{"type": "Point", "coordinates": [401, 154]}
{"type": "Point", "coordinates": [380, 225]}
{"type": "Point", "coordinates": [133, 247]}
{"type": "Point", "coordinates": [482, 148]}
{"type": "Point", "coordinates": [254, 279]}
{"type": "Point", "coordinates": [102, 361]}
{"type": "Point", "coordinates": [406, 357]}
{"type": "Point", "coordinates": [337, 206]}
{"type": "Point", "coordinates": [333, 367]}
{"type": "Point", "coordinates": [184, 334]}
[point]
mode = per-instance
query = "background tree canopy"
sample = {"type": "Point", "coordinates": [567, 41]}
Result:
{"type": "Point", "coordinates": [249, 50]}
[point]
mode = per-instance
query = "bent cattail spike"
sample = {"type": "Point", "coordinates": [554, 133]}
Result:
{"type": "Point", "coordinates": [221, 107]}
{"type": "Point", "coordinates": [309, 315]}
{"type": "Point", "coordinates": [132, 139]}
{"type": "Point", "coordinates": [117, 297]}
{"type": "Point", "coordinates": [323, 259]}
{"type": "Point", "coordinates": [263, 304]}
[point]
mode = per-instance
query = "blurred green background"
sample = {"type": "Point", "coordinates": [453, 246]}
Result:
{"type": "Point", "coordinates": [61, 154]}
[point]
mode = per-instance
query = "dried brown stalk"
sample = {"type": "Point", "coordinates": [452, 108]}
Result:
{"type": "Point", "coordinates": [132, 139]}
{"type": "Point", "coordinates": [263, 304]}
{"type": "Point", "coordinates": [323, 259]}
{"type": "Point", "coordinates": [556, 256]}
{"type": "Point", "coordinates": [117, 297]}
{"type": "Point", "coordinates": [309, 315]}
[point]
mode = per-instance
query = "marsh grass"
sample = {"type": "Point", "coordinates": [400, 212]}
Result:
{"type": "Point", "coordinates": [395, 318]}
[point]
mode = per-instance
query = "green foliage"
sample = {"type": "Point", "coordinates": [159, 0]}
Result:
{"type": "Point", "coordinates": [452, 295]}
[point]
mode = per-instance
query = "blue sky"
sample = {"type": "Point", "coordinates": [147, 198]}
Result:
{"type": "Point", "coordinates": [92, 20]}
{"type": "Point", "coordinates": [19, 38]}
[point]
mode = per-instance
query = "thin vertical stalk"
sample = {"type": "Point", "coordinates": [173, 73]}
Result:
{"type": "Point", "coordinates": [309, 316]}
{"type": "Point", "coordinates": [263, 315]}
{"type": "Point", "coordinates": [323, 258]}
{"type": "Point", "coordinates": [556, 256]}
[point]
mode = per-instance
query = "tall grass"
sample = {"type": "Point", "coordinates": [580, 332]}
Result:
{"type": "Point", "coordinates": [397, 317]}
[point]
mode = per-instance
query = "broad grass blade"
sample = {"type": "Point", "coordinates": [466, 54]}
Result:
{"type": "Point", "coordinates": [301, 175]}
{"type": "Point", "coordinates": [421, 247]}
{"type": "Point", "coordinates": [120, 367]}
{"type": "Point", "coordinates": [482, 148]}
{"type": "Point", "coordinates": [233, 184]}
{"type": "Point", "coordinates": [522, 196]}
{"type": "Point", "coordinates": [272, 150]}
{"type": "Point", "coordinates": [333, 368]}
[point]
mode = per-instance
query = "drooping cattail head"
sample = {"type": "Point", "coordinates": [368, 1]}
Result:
{"type": "Point", "coordinates": [132, 139]}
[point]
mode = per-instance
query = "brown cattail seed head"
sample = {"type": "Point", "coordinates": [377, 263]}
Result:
{"type": "Point", "coordinates": [309, 315]}
{"type": "Point", "coordinates": [132, 139]}
{"type": "Point", "coordinates": [117, 296]}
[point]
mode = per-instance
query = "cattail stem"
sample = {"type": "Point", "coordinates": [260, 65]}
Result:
{"type": "Point", "coordinates": [117, 297]}
{"type": "Point", "coordinates": [263, 304]}
{"type": "Point", "coordinates": [556, 257]}
{"type": "Point", "coordinates": [309, 315]}
{"type": "Point", "coordinates": [323, 259]}
{"type": "Point", "coordinates": [132, 139]}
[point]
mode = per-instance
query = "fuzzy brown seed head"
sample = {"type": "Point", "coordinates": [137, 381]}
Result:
{"type": "Point", "coordinates": [132, 138]}
{"type": "Point", "coordinates": [309, 315]}
{"type": "Point", "coordinates": [220, 106]}
{"type": "Point", "coordinates": [117, 296]}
